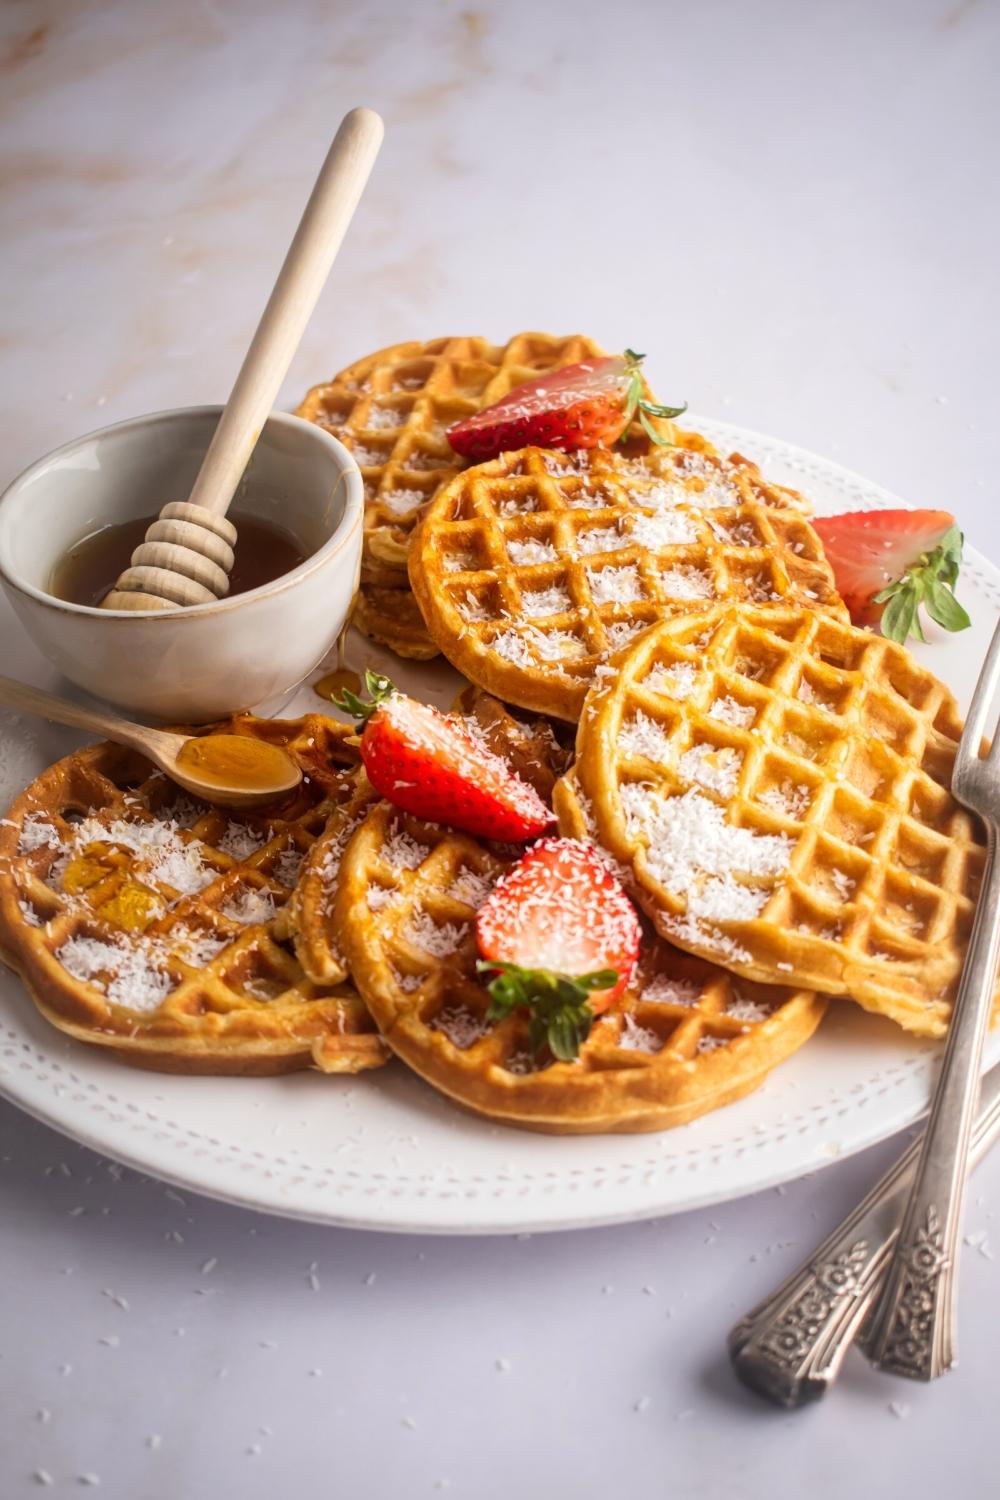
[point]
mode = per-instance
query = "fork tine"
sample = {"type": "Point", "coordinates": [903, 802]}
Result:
{"type": "Point", "coordinates": [983, 699]}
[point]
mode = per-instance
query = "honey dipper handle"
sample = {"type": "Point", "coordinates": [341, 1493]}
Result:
{"type": "Point", "coordinates": [301, 279]}
{"type": "Point", "coordinates": [31, 700]}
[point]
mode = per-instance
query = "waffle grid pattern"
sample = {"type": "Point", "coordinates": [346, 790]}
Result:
{"type": "Point", "coordinates": [681, 1040]}
{"type": "Point", "coordinates": [182, 977]}
{"type": "Point", "coordinates": [777, 783]}
{"type": "Point", "coordinates": [532, 569]}
{"type": "Point", "coordinates": [392, 409]}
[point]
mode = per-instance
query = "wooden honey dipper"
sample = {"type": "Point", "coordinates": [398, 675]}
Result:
{"type": "Point", "coordinates": [187, 555]}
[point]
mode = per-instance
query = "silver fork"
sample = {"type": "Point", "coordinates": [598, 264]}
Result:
{"type": "Point", "coordinates": [911, 1330]}
{"type": "Point", "coordinates": [791, 1347]}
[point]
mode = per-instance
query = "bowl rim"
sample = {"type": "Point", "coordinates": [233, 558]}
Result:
{"type": "Point", "coordinates": [343, 534]}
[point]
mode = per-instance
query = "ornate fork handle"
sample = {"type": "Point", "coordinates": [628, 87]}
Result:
{"type": "Point", "coordinates": [791, 1347]}
{"type": "Point", "coordinates": [911, 1327]}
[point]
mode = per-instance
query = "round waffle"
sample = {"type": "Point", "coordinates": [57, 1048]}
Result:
{"type": "Point", "coordinates": [531, 570]}
{"type": "Point", "coordinates": [149, 923]}
{"type": "Point", "coordinates": [530, 749]}
{"type": "Point", "coordinates": [684, 1038]}
{"type": "Point", "coordinates": [392, 409]}
{"type": "Point", "coordinates": [777, 783]}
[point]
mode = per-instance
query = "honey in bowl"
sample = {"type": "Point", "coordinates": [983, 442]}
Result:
{"type": "Point", "coordinates": [93, 565]}
{"type": "Point", "coordinates": [236, 760]}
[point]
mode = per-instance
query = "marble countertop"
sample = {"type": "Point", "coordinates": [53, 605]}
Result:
{"type": "Point", "coordinates": [792, 209]}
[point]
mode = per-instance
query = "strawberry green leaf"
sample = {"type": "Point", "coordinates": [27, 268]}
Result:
{"type": "Point", "coordinates": [943, 607]}
{"type": "Point", "coordinates": [930, 582]}
{"type": "Point", "coordinates": [561, 1017]}
{"type": "Point", "coordinates": [377, 687]}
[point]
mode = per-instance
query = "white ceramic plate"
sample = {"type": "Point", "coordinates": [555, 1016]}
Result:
{"type": "Point", "coordinates": [383, 1151]}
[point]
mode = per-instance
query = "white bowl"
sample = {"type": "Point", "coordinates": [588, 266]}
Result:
{"type": "Point", "coordinates": [198, 663]}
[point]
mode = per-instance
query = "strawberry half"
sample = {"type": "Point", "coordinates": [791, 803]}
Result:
{"type": "Point", "coordinates": [562, 939]}
{"type": "Point", "coordinates": [887, 563]}
{"type": "Point", "coordinates": [431, 766]}
{"type": "Point", "coordinates": [589, 405]}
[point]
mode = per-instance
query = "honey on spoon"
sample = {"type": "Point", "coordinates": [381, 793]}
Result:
{"type": "Point", "coordinates": [230, 769]}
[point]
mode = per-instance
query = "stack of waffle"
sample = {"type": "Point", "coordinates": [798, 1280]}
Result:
{"type": "Point", "coordinates": [768, 782]}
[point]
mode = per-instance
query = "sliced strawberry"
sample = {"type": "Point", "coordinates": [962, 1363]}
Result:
{"type": "Point", "coordinates": [562, 939]}
{"type": "Point", "coordinates": [431, 766]}
{"type": "Point", "coordinates": [887, 563]}
{"type": "Point", "coordinates": [588, 405]}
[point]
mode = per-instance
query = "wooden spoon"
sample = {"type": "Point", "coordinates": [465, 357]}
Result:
{"type": "Point", "coordinates": [187, 555]}
{"type": "Point", "coordinates": [234, 770]}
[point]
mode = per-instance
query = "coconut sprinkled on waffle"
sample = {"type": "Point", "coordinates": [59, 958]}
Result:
{"type": "Point", "coordinates": [130, 974]}
{"type": "Point", "coordinates": [688, 839]}
{"type": "Point", "coordinates": [461, 1026]}
{"type": "Point", "coordinates": [664, 990]}
{"type": "Point", "coordinates": [438, 939]}
{"type": "Point", "coordinates": [636, 1038]}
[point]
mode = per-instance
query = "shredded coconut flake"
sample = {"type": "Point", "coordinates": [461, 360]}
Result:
{"type": "Point", "coordinates": [616, 585]}
{"type": "Point", "coordinates": [250, 907]}
{"type": "Point", "coordinates": [711, 767]}
{"type": "Point", "coordinates": [729, 711]}
{"type": "Point", "coordinates": [686, 583]}
{"type": "Point", "coordinates": [662, 990]}
{"type": "Point", "coordinates": [37, 833]}
{"type": "Point", "coordinates": [524, 554]}
{"type": "Point", "coordinates": [550, 601]}
{"type": "Point", "coordinates": [241, 841]}
{"type": "Point", "coordinates": [604, 539]}
{"type": "Point", "coordinates": [677, 682]}
{"type": "Point", "coordinates": [642, 735]}
{"type": "Point", "coordinates": [636, 1038]}
{"type": "Point", "coordinates": [128, 974]}
{"type": "Point", "coordinates": [471, 888]}
{"type": "Point", "coordinates": [438, 939]}
{"type": "Point", "coordinates": [403, 852]}
{"type": "Point", "coordinates": [401, 502]}
{"type": "Point", "coordinates": [669, 528]}
{"type": "Point", "coordinates": [460, 1025]}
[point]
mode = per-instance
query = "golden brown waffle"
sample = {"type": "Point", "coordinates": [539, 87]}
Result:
{"type": "Point", "coordinates": [777, 783]}
{"type": "Point", "coordinates": [683, 1039]}
{"type": "Point", "coordinates": [146, 922]}
{"type": "Point", "coordinates": [392, 409]}
{"type": "Point", "coordinates": [391, 616]}
{"type": "Point", "coordinates": [531, 570]}
{"type": "Point", "coordinates": [530, 749]}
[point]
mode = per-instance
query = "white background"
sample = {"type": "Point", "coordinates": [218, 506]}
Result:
{"type": "Point", "coordinates": [793, 208]}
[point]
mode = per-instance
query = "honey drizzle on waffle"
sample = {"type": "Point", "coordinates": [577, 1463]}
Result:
{"type": "Point", "coordinates": [147, 922]}
{"type": "Point", "coordinates": [777, 783]}
{"type": "Point", "coordinates": [681, 1039]}
{"type": "Point", "coordinates": [531, 570]}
